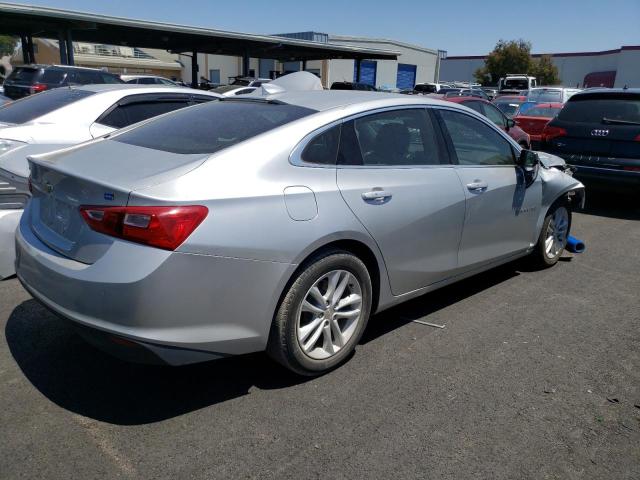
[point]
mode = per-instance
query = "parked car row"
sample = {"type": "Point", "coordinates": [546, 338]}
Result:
{"type": "Point", "coordinates": [275, 221]}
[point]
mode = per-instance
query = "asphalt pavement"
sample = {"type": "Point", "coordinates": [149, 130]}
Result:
{"type": "Point", "coordinates": [536, 375]}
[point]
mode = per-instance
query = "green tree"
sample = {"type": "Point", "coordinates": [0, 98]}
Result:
{"type": "Point", "coordinates": [7, 45]}
{"type": "Point", "coordinates": [545, 71]}
{"type": "Point", "coordinates": [513, 56]}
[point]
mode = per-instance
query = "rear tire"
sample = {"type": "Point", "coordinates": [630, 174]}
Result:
{"type": "Point", "coordinates": [323, 314]}
{"type": "Point", "coordinates": [553, 236]}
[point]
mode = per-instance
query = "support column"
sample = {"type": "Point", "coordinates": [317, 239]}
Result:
{"type": "Point", "coordinates": [358, 68]}
{"type": "Point", "coordinates": [194, 69]}
{"type": "Point", "coordinates": [30, 49]}
{"type": "Point", "coordinates": [70, 59]}
{"type": "Point", "coordinates": [245, 64]}
{"type": "Point", "coordinates": [25, 49]}
{"type": "Point", "coordinates": [62, 46]}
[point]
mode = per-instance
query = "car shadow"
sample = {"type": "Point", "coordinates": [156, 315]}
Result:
{"type": "Point", "coordinates": [431, 302]}
{"type": "Point", "coordinates": [603, 202]}
{"type": "Point", "coordinates": [82, 379]}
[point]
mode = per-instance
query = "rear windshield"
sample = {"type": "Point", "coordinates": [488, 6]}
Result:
{"type": "Point", "coordinates": [546, 96]}
{"type": "Point", "coordinates": [212, 126]}
{"type": "Point", "coordinates": [24, 74]}
{"type": "Point", "coordinates": [542, 112]}
{"type": "Point", "coordinates": [516, 84]}
{"type": "Point", "coordinates": [34, 106]}
{"type": "Point", "coordinates": [594, 109]}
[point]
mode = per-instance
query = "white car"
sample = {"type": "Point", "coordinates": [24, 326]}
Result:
{"type": "Point", "coordinates": [147, 80]}
{"type": "Point", "coordinates": [551, 94]}
{"type": "Point", "coordinates": [64, 117]}
{"type": "Point", "coordinates": [233, 90]}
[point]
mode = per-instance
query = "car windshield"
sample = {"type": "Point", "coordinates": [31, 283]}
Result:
{"type": "Point", "coordinates": [212, 126]}
{"type": "Point", "coordinates": [548, 96]}
{"type": "Point", "coordinates": [508, 108]}
{"type": "Point", "coordinates": [516, 84]}
{"type": "Point", "coordinates": [596, 108]}
{"type": "Point", "coordinates": [24, 74]}
{"type": "Point", "coordinates": [34, 106]}
{"type": "Point", "coordinates": [549, 112]}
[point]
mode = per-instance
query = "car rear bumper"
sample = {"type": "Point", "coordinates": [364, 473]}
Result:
{"type": "Point", "coordinates": [183, 308]}
{"type": "Point", "coordinates": [604, 170]}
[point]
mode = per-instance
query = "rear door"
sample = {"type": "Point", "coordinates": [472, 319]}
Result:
{"type": "Point", "coordinates": [394, 174]}
{"type": "Point", "coordinates": [501, 211]}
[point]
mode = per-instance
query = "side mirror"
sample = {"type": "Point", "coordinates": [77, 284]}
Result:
{"type": "Point", "coordinates": [529, 161]}
{"type": "Point", "coordinates": [510, 123]}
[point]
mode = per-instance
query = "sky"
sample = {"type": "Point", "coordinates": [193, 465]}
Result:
{"type": "Point", "coordinates": [462, 27]}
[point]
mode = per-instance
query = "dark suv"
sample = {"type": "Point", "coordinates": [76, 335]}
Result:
{"type": "Point", "coordinates": [29, 79]}
{"type": "Point", "coordinates": [598, 132]}
{"type": "Point", "coordinates": [353, 86]}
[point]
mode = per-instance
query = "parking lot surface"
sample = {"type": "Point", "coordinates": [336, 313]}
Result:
{"type": "Point", "coordinates": [536, 375]}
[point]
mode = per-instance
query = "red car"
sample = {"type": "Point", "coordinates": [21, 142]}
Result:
{"type": "Point", "coordinates": [534, 119]}
{"type": "Point", "coordinates": [489, 110]}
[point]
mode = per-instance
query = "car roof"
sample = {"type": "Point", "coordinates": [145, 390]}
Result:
{"type": "Point", "coordinates": [510, 98]}
{"type": "Point", "coordinates": [62, 67]}
{"type": "Point", "coordinates": [466, 98]}
{"type": "Point", "coordinates": [322, 100]}
{"type": "Point", "coordinates": [605, 90]}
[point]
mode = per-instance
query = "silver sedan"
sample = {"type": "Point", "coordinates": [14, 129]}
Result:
{"type": "Point", "coordinates": [280, 222]}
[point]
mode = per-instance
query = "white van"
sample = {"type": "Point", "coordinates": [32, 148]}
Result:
{"type": "Point", "coordinates": [515, 82]}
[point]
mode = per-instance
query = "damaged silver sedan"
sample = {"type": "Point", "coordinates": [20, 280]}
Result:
{"type": "Point", "coordinates": [281, 222]}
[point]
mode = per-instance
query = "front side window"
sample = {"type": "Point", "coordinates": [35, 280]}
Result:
{"type": "Point", "coordinates": [474, 142]}
{"type": "Point", "coordinates": [393, 138]}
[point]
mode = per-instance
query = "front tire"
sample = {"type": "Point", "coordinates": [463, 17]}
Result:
{"type": "Point", "coordinates": [553, 236]}
{"type": "Point", "coordinates": [323, 314]}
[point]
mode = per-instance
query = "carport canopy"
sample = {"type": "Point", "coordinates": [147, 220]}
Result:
{"type": "Point", "coordinates": [68, 26]}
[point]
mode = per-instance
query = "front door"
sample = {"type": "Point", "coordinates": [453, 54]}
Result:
{"type": "Point", "coordinates": [392, 174]}
{"type": "Point", "coordinates": [501, 210]}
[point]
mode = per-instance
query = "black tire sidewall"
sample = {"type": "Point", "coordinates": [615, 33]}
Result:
{"type": "Point", "coordinates": [287, 319]}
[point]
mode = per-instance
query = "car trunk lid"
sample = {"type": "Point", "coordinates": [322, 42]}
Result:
{"type": "Point", "coordinates": [102, 173]}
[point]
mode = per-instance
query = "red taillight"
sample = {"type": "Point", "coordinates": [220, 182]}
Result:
{"type": "Point", "coordinates": [161, 227]}
{"type": "Point", "coordinates": [550, 132]}
{"type": "Point", "coordinates": [38, 87]}
{"type": "Point", "coordinates": [637, 139]}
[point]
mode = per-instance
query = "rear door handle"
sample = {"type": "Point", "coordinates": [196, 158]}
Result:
{"type": "Point", "coordinates": [376, 196]}
{"type": "Point", "coordinates": [477, 186]}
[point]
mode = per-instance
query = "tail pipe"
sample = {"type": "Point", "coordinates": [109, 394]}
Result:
{"type": "Point", "coordinates": [575, 245]}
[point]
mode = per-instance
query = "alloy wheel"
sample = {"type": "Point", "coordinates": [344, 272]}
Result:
{"type": "Point", "coordinates": [329, 314]}
{"type": "Point", "coordinates": [557, 231]}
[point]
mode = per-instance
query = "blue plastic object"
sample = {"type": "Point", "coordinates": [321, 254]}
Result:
{"type": "Point", "coordinates": [575, 245]}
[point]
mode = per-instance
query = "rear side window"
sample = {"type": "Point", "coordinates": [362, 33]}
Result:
{"type": "Point", "coordinates": [34, 106]}
{"type": "Point", "coordinates": [212, 126]}
{"type": "Point", "coordinates": [52, 75]}
{"type": "Point", "coordinates": [595, 109]}
{"type": "Point", "coordinates": [25, 75]}
{"type": "Point", "coordinates": [393, 138]}
{"type": "Point", "coordinates": [323, 148]}
{"type": "Point", "coordinates": [130, 113]}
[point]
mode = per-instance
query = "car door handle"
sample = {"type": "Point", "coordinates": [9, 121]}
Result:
{"type": "Point", "coordinates": [377, 196]}
{"type": "Point", "coordinates": [477, 186]}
